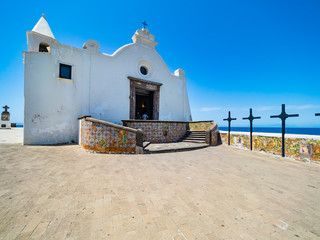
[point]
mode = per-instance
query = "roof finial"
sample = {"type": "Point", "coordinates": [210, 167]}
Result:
{"type": "Point", "coordinates": [44, 16]}
{"type": "Point", "coordinates": [144, 24]}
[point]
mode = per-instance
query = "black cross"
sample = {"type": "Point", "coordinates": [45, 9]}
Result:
{"type": "Point", "coordinates": [283, 116]}
{"type": "Point", "coordinates": [5, 109]}
{"type": "Point", "coordinates": [317, 114]}
{"type": "Point", "coordinates": [251, 118]}
{"type": "Point", "coordinates": [144, 24]}
{"type": "Point", "coordinates": [229, 119]}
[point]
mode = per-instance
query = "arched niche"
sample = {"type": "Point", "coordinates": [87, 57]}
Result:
{"type": "Point", "coordinates": [44, 47]}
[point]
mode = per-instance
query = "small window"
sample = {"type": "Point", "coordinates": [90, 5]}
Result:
{"type": "Point", "coordinates": [65, 71]}
{"type": "Point", "coordinates": [143, 70]}
{"type": "Point", "coordinates": [44, 47]}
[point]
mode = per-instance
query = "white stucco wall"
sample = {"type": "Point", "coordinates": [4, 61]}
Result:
{"type": "Point", "coordinates": [99, 87]}
{"type": "Point", "coordinates": [5, 124]}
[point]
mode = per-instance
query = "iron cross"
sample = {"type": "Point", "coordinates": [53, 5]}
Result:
{"type": "Point", "coordinates": [229, 119]}
{"type": "Point", "coordinates": [5, 108]}
{"type": "Point", "coordinates": [283, 116]}
{"type": "Point", "coordinates": [144, 24]}
{"type": "Point", "coordinates": [251, 118]}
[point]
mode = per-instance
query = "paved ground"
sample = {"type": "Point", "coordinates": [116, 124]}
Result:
{"type": "Point", "coordinates": [63, 192]}
{"type": "Point", "coordinates": [13, 135]}
{"type": "Point", "coordinates": [171, 147]}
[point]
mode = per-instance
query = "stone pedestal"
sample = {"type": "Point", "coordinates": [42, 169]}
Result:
{"type": "Point", "coordinates": [5, 118]}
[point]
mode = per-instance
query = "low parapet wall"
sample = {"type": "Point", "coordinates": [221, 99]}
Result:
{"type": "Point", "coordinates": [212, 135]}
{"type": "Point", "coordinates": [171, 131]}
{"type": "Point", "coordinates": [201, 125]}
{"type": "Point", "coordinates": [303, 147]}
{"type": "Point", "coordinates": [211, 129]}
{"type": "Point", "coordinates": [100, 136]}
{"type": "Point", "coordinates": [159, 131]}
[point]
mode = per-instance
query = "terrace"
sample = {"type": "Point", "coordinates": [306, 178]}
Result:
{"type": "Point", "coordinates": [219, 192]}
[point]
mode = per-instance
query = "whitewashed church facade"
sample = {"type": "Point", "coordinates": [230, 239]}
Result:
{"type": "Point", "coordinates": [63, 83]}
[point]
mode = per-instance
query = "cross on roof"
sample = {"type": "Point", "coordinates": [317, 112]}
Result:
{"type": "Point", "coordinates": [5, 108]}
{"type": "Point", "coordinates": [144, 24]}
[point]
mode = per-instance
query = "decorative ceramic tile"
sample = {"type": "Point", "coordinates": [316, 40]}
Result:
{"type": "Point", "coordinates": [298, 148]}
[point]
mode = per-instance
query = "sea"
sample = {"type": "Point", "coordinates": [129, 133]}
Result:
{"type": "Point", "coordinates": [290, 130]}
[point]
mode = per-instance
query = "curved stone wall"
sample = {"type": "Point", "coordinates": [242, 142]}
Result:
{"type": "Point", "coordinates": [101, 136]}
{"type": "Point", "coordinates": [159, 131]}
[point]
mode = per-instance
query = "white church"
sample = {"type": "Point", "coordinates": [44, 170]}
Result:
{"type": "Point", "coordinates": [63, 83]}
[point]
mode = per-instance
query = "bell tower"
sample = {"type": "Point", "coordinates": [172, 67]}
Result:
{"type": "Point", "coordinates": [41, 37]}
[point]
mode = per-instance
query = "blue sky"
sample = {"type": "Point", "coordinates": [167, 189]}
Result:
{"type": "Point", "coordinates": [236, 54]}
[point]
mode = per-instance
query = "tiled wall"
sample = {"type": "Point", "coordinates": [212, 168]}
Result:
{"type": "Point", "coordinates": [159, 131]}
{"type": "Point", "coordinates": [200, 126]}
{"type": "Point", "coordinates": [214, 138]}
{"type": "Point", "coordinates": [299, 148]}
{"type": "Point", "coordinates": [101, 138]}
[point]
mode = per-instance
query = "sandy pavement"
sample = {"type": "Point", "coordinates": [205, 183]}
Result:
{"type": "Point", "coordinates": [63, 192]}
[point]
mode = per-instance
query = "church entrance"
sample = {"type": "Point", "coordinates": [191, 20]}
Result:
{"type": "Point", "coordinates": [144, 98]}
{"type": "Point", "coordinates": [144, 103]}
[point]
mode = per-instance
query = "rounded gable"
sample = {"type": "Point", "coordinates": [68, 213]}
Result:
{"type": "Point", "coordinates": [142, 55]}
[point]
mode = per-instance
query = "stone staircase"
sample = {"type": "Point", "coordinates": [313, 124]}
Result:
{"type": "Point", "coordinates": [194, 136]}
{"type": "Point", "coordinates": [192, 140]}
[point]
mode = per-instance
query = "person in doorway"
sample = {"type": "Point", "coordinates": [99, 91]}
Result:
{"type": "Point", "coordinates": [145, 116]}
{"type": "Point", "coordinates": [138, 116]}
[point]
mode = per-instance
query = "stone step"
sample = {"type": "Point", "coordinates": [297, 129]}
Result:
{"type": "Point", "coordinates": [195, 135]}
{"type": "Point", "coordinates": [194, 138]}
{"type": "Point", "coordinates": [194, 141]}
{"type": "Point", "coordinates": [173, 147]}
{"type": "Point", "coordinates": [146, 144]}
{"type": "Point", "coordinates": [200, 135]}
{"type": "Point", "coordinates": [198, 132]}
